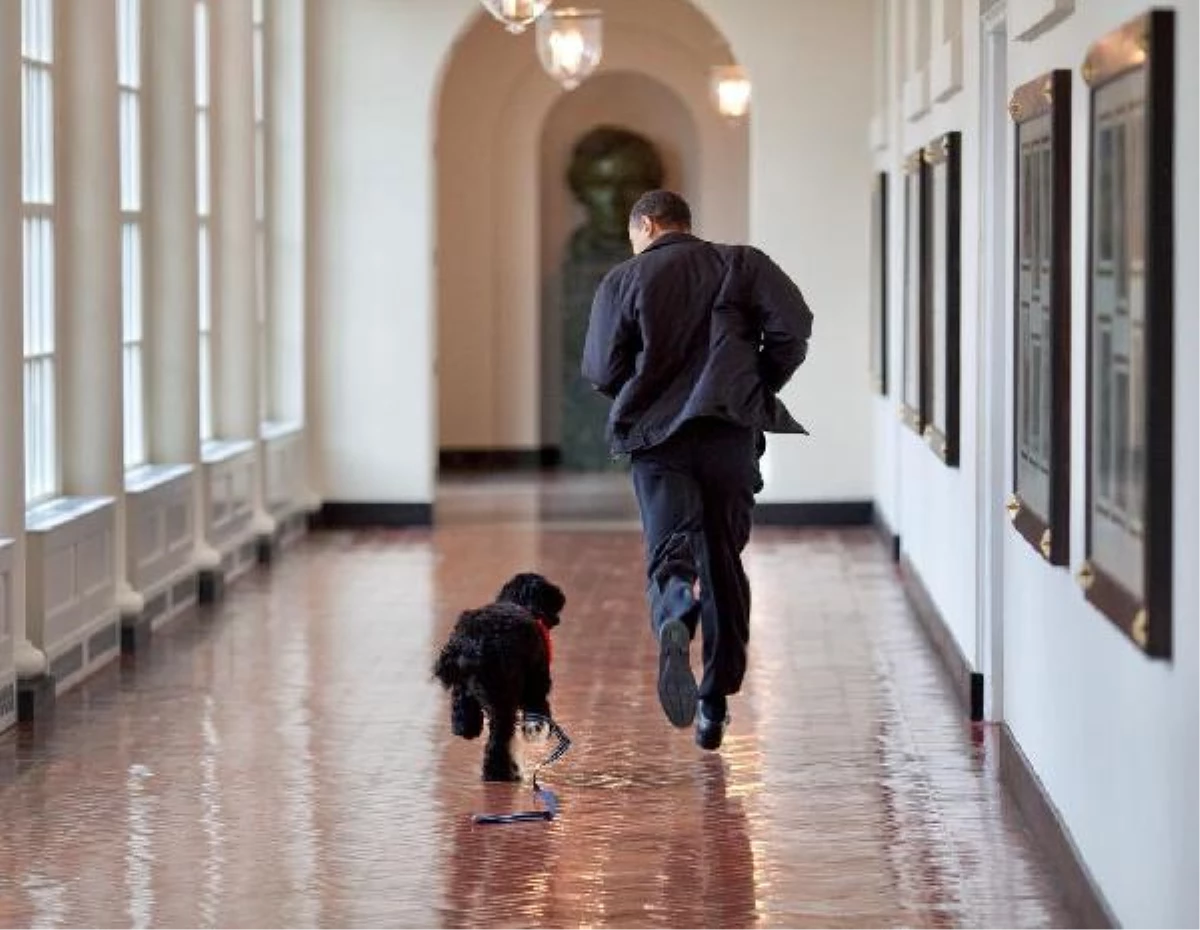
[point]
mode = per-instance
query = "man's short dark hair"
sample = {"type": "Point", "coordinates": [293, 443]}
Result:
{"type": "Point", "coordinates": [666, 208]}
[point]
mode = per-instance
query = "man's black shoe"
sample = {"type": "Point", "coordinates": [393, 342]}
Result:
{"type": "Point", "coordinates": [676, 683]}
{"type": "Point", "coordinates": [710, 726]}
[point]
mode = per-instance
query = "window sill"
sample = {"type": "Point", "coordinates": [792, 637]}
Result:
{"type": "Point", "coordinates": [145, 478]}
{"type": "Point", "coordinates": [215, 451]}
{"type": "Point", "coordinates": [59, 511]}
{"type": "Point", "coordinates": [274, 430]}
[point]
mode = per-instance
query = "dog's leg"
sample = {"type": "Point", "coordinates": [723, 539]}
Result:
{"type": "Point", "coordinates": [535, 696]}
{"type": "Point", "coordinates": [498, 764]}
{"type": "Point", "coordinates": [466, 716]}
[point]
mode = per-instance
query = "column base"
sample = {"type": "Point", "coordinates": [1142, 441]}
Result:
{"type": "Point", "coordinates": [136, 630]}
{"type": "Point", "coordinates": [210, 585]}
{"type": "Point", "coordinates": [35, 698]}
{"type": "Point", "coordinates": [264, 548]}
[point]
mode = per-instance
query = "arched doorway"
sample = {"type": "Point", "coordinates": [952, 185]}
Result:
{"type": "Point", "coordinates": [571, 419]}
{"type": "Point", "coordinates": [498, 213]}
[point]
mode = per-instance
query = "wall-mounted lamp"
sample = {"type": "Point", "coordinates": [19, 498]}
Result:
{"type": "Point", "coordinates": [731, 91]}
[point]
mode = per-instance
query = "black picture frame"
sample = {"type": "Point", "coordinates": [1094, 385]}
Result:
{"type": "Point", "coordinates": [942, 349]}
{"type": "Point", "coordinates": [916, 287]}
{"type": "Point", "coordinates": [879, 284]}
{"type": "Point", "coordinates": [1127, 569]}
{"type": "Point", "coordinates": [1040, 505]}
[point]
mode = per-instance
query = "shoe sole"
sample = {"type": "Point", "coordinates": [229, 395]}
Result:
{"type": "Point", "coordinates": [677, 690]}
{"type": "Point", "coordinates": [712, 741]}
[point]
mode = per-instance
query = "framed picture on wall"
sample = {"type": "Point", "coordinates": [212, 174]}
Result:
{"type": "Point", "coordinates": [879, 283]}
{"type": "Point", "coordinates": [1040, 505]}
{"type": "Point", "coordinates": [912, 388]}
{"type": "Point", "coordinates": [941, 351]}
{"type": "Point", "coordinates": [1127, 569]}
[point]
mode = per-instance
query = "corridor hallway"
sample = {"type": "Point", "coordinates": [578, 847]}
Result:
{"type": "Point", "coordinates": [285, 760]}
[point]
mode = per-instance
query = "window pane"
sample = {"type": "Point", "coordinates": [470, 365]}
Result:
{"type": "Point", "coordinates": [202, 163]}
{"type": "Point", "coordinates": [130, 134]}
{"type": "Point", "coordinates": [259, 76]}
{"type": "Point", "coordinates": [204, 266]}
{"type": "Point", "coordinates": [206, 387]}
{"type": "Point", "coordinates": [202, 72]}
{"type": "Point", "coordinates": [129, 52]}
{"type": "Point", "coordinates": [260, 175]}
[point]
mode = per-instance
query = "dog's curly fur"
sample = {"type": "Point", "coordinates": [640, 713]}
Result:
{"type": "Point", "coordinates": [496, 664]}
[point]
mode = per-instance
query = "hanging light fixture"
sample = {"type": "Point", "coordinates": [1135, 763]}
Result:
{"type": "Point", "coordinates": [731, 91]}
{"type": "Point", "coordinates": [516, 14]}
{"type": "Point", "coordinates": [570, 43]}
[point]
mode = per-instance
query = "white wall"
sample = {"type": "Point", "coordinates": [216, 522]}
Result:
{"type": "Point", "coordinates": [809, 207]}
{"type": "Point", "coordinates": [374, 67]}
{"type": "Point", "coordinates": [935, 504]}
{"type": "Point", "coordinates": [1112, 736]}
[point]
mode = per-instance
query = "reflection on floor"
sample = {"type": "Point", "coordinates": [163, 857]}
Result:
{"type": "Point", "coordinates": [284, 760]}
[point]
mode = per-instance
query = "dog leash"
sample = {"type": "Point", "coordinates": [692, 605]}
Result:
{"type": "Point", "coordinates": [548, 798]}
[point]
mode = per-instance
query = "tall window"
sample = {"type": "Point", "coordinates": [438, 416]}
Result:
{"type": "Point", "coordinates": [129, 80]}
{"type": "Point", "coordinates": [203, 217]}
{"type": "Point", "coordinates": [260, 207]}
{"type": "Point", "coordinates": [37, 209]}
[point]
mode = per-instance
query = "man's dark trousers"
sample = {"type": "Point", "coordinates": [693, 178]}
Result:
{"type": "Point", "coordinates": [696, 494]}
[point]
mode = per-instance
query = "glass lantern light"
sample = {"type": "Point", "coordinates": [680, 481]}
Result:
{"type": "Point", "coordinates": [516, 14]}
{"type": "Point", "coordinates": [570, 43]}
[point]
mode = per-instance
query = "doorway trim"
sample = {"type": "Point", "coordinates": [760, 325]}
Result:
{"type": "Point", "coordinates": [991, 356]}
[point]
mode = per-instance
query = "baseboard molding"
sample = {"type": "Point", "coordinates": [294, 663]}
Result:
{"type": "Point", "coordinates": [968, 683]}
{"type": "Point", "coordinates": [887, 535]}
{"type": "Point", "coordinates": [356, 515]}
{"type": "Point", "coordinates": [1041, 816]}
{"type": "Point", "coordinates": [816, 513]}
{"type": "Point", "coordinates": [488, 460]}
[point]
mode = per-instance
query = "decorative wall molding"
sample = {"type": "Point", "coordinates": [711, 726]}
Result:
{"type": "Point", "coordinates": [877, 135]}
{"type": "Point", "coordinates": [916, 95]}
{"type": "Point", "coordinates": [945, 70]}
{"type": "Point", "coordinates": [1028, 19]}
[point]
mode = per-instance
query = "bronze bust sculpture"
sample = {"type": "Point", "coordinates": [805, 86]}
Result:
{"type": "Point", "coordinates": [610, 168]}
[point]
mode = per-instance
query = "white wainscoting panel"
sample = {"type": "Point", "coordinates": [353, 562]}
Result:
{"type": "Point", "coordinates": [160, 523]}
{"type": "Point", "coordinates": [284, 444]}
{"type": "Point", "coordinates": [229, 471]}
{"type": "Point", "coordinates": [70, 591]}
{"type": "Point", "coordinates": [8, 674]}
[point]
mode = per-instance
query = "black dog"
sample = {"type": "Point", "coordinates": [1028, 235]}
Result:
{"type": "Point", "coordinates": [497, 663]}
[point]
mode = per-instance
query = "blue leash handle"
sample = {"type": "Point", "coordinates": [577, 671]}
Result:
{"type": "Point", "coordinates": [548, 798]}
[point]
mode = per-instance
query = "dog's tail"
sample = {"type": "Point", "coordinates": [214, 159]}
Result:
{"type": "Point", "coordinates": [458, 661]}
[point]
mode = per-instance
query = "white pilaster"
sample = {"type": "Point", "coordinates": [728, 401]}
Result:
{"type": "Point", "coordinates": [237, 358]}
{"type": "Point", "coordinates": [173, 404]}
{"type": "Point", "coordinates": [287, 218]}
{"type": "Point", "coordinates": [287, 202]}
{"type": "Point", "coordinates": [28, 660]}
{"type": "Point", "coordinates": [89, 265]}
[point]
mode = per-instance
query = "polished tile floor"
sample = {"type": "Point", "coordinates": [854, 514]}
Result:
{"type": "Point", "coordinates": [285, 761]}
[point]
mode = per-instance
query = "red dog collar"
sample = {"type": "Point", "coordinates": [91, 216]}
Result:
{"type": "Point", "coordinates": [545, 631]}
